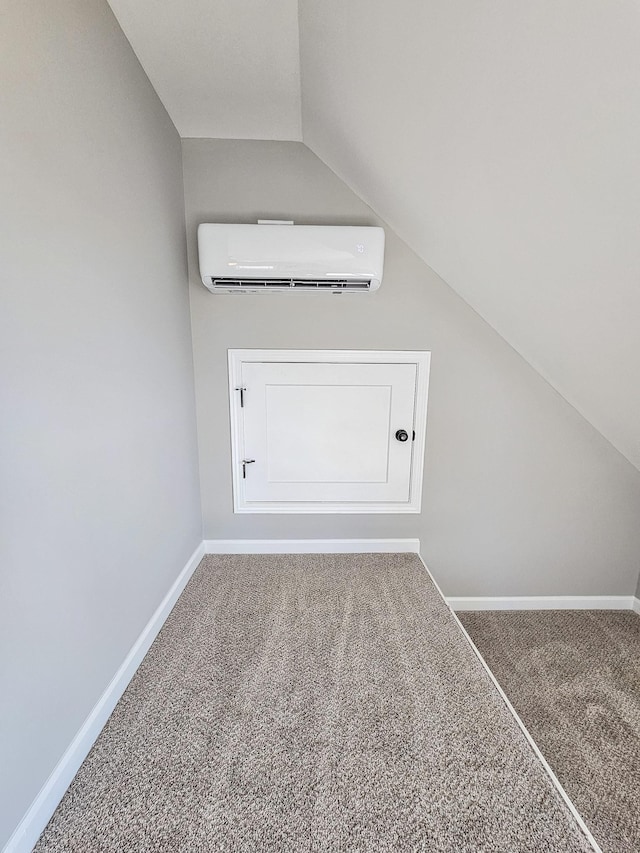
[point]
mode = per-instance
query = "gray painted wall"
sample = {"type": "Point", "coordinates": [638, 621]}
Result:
{"type": "Point", "coordinates": [521, 495]}
{"type": "Point", "coordinates": [99, 502]}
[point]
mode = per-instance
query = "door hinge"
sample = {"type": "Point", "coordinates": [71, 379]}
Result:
{"type": "Point", "coordinates": [246, 462]}
{"type": "Point", "coordinates": [241, 390]}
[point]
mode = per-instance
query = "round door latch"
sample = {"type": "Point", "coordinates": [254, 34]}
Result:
{"type": "Point", "coordinates": [402, 435]}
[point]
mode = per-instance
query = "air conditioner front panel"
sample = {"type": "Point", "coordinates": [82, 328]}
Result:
{"type": "Point", "coordinates": [283, 257]}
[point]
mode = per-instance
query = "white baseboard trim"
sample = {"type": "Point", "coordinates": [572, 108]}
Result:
{"type": "Point", "coordinates": [311, 546]}
{"type": "Point", "coordinates": [28, 830]}
{"type": "Point", "coordinates": [552, 776]}
{"type": "Point", "coordinates": [636, 604]}
{"type": "Point", "coordinates": [546, 602]}
{"type": "Point", "coordinates": [36, 818]}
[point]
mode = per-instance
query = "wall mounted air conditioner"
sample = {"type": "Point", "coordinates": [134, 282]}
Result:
{"type": "Point", "coordinates": [261, 258]}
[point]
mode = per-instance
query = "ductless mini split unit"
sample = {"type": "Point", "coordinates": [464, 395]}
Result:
{"type": "Point", "coordinates": [290, 258]}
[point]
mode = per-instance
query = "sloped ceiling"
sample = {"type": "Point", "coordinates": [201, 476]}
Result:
{"type": "Point", "coordinates": [222, 68]}
{"type": "Point", "coordinates": [500, 139]}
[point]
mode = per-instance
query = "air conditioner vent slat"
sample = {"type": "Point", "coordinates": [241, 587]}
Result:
{"type": "Point", "coordinates": [289, 284]}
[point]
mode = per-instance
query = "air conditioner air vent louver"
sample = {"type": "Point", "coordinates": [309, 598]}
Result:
{"type": "Point", "coordinates": [286, 284]}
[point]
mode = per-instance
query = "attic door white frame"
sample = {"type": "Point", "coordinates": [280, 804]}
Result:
{"type": "Point", "coordinates": [422, 361]}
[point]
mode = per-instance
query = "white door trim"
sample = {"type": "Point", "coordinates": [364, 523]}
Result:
{"type": "Point", "coordinates": [422, 360]}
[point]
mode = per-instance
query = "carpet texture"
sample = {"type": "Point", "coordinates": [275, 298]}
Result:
{"type": "Point", "coordinates": [574, 679]}
{"type": "Point", "coordinates": [311, 703]}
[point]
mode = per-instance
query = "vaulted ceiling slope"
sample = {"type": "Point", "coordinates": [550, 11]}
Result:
{"type": "Point", "coordinates": [222, 68]}
{"type": "Point", "coordinates": [501, 140]}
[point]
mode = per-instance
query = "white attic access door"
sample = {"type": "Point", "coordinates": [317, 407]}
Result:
{"type": "Point", "coordinates": [327, 431]}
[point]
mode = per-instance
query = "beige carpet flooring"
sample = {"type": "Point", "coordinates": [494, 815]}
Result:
{"type": "Point", "coordinates": [574, 678]}
{"type": "Point", "coordinates": [311, 703]}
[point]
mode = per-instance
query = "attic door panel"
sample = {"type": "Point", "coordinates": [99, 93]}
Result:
{"type": "Point", "coordinates": [326, 432]}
